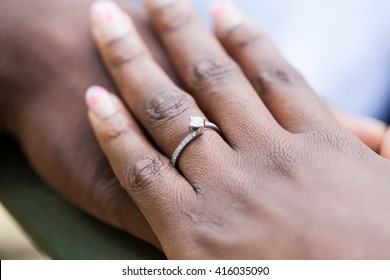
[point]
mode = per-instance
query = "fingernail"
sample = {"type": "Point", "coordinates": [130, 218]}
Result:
{"type": "Point", "coordinates": [99, 102]}
{"type": "Point", "coordinates": [108, 20]}
{"type": "Point", "coordinates": [226, 15]}
{"type": "Point", "coordinates": [385, 147]}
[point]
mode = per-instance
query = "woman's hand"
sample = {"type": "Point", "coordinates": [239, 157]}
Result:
{"type": "Point", "coordinates": [385, 145]}
{"type": "Point", "coordinates": [283, 180]}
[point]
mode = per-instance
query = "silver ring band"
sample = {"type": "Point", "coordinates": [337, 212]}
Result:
{"type": "Point", "coordinates": [197, 124]}
{"type": "Point", "coordinates": [212, 126]}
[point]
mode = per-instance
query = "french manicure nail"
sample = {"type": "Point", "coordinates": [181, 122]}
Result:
{"type": "Point", "coordinates": [226, 15]}
{"type": "Point", "coordinates": [99, 102]}
{"type": "Point", "coordinates": [108, 20]}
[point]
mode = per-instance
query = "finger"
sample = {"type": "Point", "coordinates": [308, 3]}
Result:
{"type": "Point", "coordinates": [153, 183]}
{"type": "Point", "coordinates": [369, 130]}
{"type": "Point", "coordinates": [160, 106]}
{"type": "Point", "coordinates": [214, 79]}
{"type": "Point", "coordinates": [147, 34]}
{"type": "Point", "coordinates": [385, 146]}
{"type": "Point", "coordinates": [283, 90]}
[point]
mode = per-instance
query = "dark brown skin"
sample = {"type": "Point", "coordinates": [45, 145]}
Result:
{"type": "Point", "coordinates": [47, 60]}
{"type": "Point", "coordinates": [284, 180]}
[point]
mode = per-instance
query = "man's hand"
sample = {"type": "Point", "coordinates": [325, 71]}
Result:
{"type": "Point", "coordinates": [47, 61]}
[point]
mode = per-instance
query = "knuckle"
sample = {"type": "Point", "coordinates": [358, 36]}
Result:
{"type": "Point", "coordinates": [170, 17]}
{"type": "Point", "coordinates": [145, 171]}
{"type": "Point", "coordinates": [115, 127]}
{"type": "Point", "coordinates": [284, 157]}
{"type": "Point", "coordinates": [211, 72]}
{"type": "Point", "coordinates": [276, 76]}
{"type": "Point", "coordinates": [167, 105]}
{"type": "Point", "coordinates": [122, 51]}
{"type": "Point", "coordinates": [243, 36]}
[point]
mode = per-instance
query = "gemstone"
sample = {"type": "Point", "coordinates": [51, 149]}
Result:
{"type": "Point", "coordinates": [197, 122]}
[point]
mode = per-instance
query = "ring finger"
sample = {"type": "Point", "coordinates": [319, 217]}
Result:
{"type": "Point", "coordinates": [159, 105]}
{"type": "Point", "coordinates": [213, 78]}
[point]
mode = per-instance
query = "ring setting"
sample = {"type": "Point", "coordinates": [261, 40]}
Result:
{"type": "Point", "coordinates": [196, 127]}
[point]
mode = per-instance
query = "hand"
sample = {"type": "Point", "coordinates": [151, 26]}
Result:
{"type": "Point", "coordinates": [48, 59]}
{"type": "Point", "coordinates": [372, 132]}
{"type": "Point", "coordinates": [385, 145]}
{"type": "Point", "coordinates": [284, 180]}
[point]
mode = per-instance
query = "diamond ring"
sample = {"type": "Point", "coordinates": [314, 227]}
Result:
{"type": "Point", "coordinates": [197, 124]}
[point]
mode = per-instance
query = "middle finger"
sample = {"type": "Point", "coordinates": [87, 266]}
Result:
{"type": "Point", "coordinates": [161, 107]}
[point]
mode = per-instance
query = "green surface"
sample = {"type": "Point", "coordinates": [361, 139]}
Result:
{"type": "Point", "coordinates": [57, 228]}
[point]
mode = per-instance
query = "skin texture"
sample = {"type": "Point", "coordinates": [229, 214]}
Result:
{"type": "Point", "coordinates": [284, 180]}
{"type": "Point", "coordinates": [45, 66]}
{"type": "Point", "coordinates": [44, 69]}
{"type": "Point", "coordinates": [372, 132]}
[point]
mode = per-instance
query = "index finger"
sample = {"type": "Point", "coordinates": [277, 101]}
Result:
{"type": "Point", "coordinates": [214, 79]}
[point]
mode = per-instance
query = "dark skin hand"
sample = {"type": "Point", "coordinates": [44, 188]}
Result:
{"type": "Point", "coordinates": [47, 61]}
{"type": "Point", "coordinates": [284, 180]}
